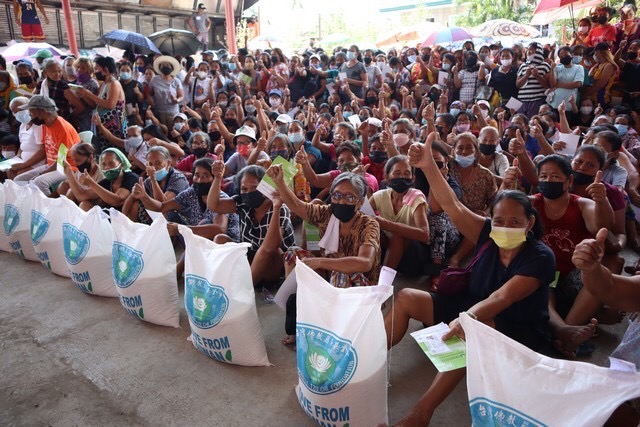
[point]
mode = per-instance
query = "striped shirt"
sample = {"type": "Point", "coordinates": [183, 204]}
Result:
{"type": "Point", "coordinates": [532, 89]}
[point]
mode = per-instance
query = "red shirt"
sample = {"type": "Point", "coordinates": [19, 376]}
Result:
{"type": "Point", "coordinates": [60, 132]}
{"type": "Point", "coordinates": [563, 234]}
{"type": "Point", "coordinates": [602, 33]}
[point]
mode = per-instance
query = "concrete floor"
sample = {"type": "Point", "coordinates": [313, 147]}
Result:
{"type": "Point", "coordinates": [69, 359]}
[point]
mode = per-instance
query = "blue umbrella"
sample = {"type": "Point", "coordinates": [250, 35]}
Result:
{"type": "Point", "coordinates": [123, 39]}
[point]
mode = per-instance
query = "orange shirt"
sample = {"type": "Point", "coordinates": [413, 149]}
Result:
{"type": "Point", "coordinates": [60, 132]}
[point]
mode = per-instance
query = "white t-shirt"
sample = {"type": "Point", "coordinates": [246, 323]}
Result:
{"type": "Point", "coordinates": [30, 142]}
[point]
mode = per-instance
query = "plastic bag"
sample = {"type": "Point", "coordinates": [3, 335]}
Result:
{"type": "Point", "coordinates": [220, 302]}
{"type": "Point", "coordinates": [144, 269]}
{"type": "Point", "coordinates": [87, 240]}
{"type": "Point", "coordinates": [4, 239]}
{"type": "Point", "coordinates": [17, 219]}
{"type": "Point", "coordinates": [47, 217]}
{"type": "Point", "coordinates": [341, 351]}
{"type": "Point", "coordinates": [509, 384]}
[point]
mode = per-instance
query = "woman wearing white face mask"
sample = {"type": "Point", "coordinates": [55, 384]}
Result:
{"type": "Point", "coordinates": [31, 150]}
{"type": "Point", "coordinates": [477, 182]}
{"type": "Point", "coordinates": [503, 78]}
{"type": "Point", "coordinates": [356, 72]}
{"type": "Point", "coordinates": [581, 36]}
{"type": "Point", "coordinates": [200, 84]}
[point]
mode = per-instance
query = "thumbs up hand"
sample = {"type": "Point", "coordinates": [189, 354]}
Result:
{"type": "Point", "coordinates": [512, 176]}
{"type": "Point", "coordinates": [597, 191]}
{"type": "Point", "coordinates": [588, 253]}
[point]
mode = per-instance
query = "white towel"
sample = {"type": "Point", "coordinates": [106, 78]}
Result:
{"type": "Point", "coordinates": [331, 238]}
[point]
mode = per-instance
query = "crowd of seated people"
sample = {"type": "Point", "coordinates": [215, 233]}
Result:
{"type": "Point", "coordinates": [397, 170]}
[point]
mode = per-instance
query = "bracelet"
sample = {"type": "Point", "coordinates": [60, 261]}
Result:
{"type": "Point", "coordinates": [470, 314]}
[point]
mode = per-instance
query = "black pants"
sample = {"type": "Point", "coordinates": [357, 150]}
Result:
{"type": "Point", "coordinates": [290, 319]}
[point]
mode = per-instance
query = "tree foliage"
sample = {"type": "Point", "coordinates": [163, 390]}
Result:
{"type": "Point", "coordinates": [480, 11]}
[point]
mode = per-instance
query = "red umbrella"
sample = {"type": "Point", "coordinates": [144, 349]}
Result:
{"type": "Point", "coordinates": [554, 4]}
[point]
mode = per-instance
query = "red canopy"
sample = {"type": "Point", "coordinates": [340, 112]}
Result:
{"type": "Point", "coordinates": [553, 4]}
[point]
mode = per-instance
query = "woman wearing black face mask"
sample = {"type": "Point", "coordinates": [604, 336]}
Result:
{"type": "Point", "coordinates": [266, 225]}
{"type": "Point", "coordinates": [568, 219]}
{"type": "Point", "coordinates": [497, 163]}
{"type": "Point", "coordinates": [402, 219]}
{"type": "Point", "coordinates": [165, 90]}
{"type": "Point", "coordinates": [350, 243]}
{"type": "Point", "coordinates": [83, 156]}
{"type": "Point", "coordinates": [109, 101]}
{"type": "Point", "coordinates": [467, 79]}
{"type": "Point", "coordinates": [566, 78]}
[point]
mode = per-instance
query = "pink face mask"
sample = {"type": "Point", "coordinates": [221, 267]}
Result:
{"type": "Point", "coordinates": [401, 139]}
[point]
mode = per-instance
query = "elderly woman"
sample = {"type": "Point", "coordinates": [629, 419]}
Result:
{"type": "Point", "coordinates": [32, 152]}
{"type": "Point", "coordinates": [84, 77]}
{"type": "Point", "coordinates": [266, 225]}
{"type": "Point", "coordinates": [57, 89]}
{"type": "Point", "coordinates": [403, 218]}
{"type": "Point", "coordinates": [109, 101]}
{"type": "Point", "coordinates": [113, 190]}
{"type": "Point", "coordinates": [165, 92]}
{"type": "Point", "coordinates": [350, 239]}
{"type": "Point", "coordinates": [163, 183]}
{"type": "Point", "coordinates": [508, 287]}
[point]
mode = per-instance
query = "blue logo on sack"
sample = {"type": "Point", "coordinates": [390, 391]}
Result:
{"type": "Point", "coordinates": [487, 413]}
{"type": "Point", "coordinates": [76, 243]}
{"type": "Point", "coordinates": [11, 218]}
{"type": "Point", "coordinates": [39, 227]}
{"type": "Point", "coordinates": [206, 304]}
{"type": "Point", "coordinates": [326, 362]}
{"type": "Point", "coordinates": [126, 264]}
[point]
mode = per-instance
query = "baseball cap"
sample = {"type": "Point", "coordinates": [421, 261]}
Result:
{"type": "Point", "coordinates": [314, 56]}
{"type": "Point", "coordinates": [180, 116]}
{"type": "Point", "coordinates": [211, 53]}
{"type": "Point", "coordinates": [277, 92]}
{"type": "Point", "coordinates": [284, 118]}
{"type": "Point", "coordinates": [43, 53]}
{"type": "Point", "coordinates": [40, 102]}
{"type": "Point", "coordinates": [485, 103]}
{"type": "Point", "coordinates": [201, 6]}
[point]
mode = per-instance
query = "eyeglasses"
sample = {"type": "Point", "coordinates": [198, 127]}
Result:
{"type": "Point", "coordinates": [349, 198]}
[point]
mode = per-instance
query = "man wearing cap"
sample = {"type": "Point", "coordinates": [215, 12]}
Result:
{"type": "Point", "coordinates": [56, 132]}
{"type": "Point", "coordinates": [245, 141]}
{"type": "Point", "coordinates": [27, 18]}
{"type": "Point", "coordinates": [199, 23]}
{"type": "Point", "coordinates": [282, 123]}
{"type": "Point", "coordinates": [41, 55]}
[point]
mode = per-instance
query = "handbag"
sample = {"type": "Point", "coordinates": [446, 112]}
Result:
{"type": "Point", "coordinates": [455, 280]}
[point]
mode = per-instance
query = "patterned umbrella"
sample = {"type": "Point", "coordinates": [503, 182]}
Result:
{"type": "Point", "coordinates": [123, 39]}
{"type": "Point", "coordinates": [25, 50]}
{"type": "Point", "coordinates": [504, 28]}
{"type": "Point", "coordinates": [176, 42]}
{"type": "Point", "coordinates": [446, 36]}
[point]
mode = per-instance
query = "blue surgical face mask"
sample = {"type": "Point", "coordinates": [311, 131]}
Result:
{"type": "Point", "coordinates": [347, 114]}
{"type": "Point", "coordinates": [125, 76]}
{"type": "Point", "coordinates": [351, 55]}
{"type": "Point", "coordinates": [161, 174]}
{"type": "Point", "coordinates": [296, 138]}
{"type": "Point", "coordinates": [577, 59]}
{"type": "Point", "coordinates": [465, 161]}
{"type": "Point", "coordinates": [232, 66]}
{"type": "Point", "coordinates": [454, 111]}
{"type": "Point", "coordinates": [622, 129]}
{"type": "Point", "coordinates": [411, 58]}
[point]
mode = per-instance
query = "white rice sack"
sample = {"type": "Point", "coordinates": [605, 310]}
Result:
{"type": "Point", "coordinates": [341, 349]}
{"type": "Point", "coordinates": [220, 302]}
{"type": "Point", "coordinates": [47, 217]}
{"type": "Point", "coordinates": [144, 269]}
{"type": "Point", "coordinates": [4, 239]}
{"type": "Point", "coordinates": [17, 219]}
{"type": "Point", "coordinates": [87, 239]}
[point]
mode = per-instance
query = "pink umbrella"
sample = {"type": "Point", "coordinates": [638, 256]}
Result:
{"type": "Point", "coordinates": [446, 36]}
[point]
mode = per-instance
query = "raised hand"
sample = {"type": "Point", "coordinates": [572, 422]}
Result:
{"type": "Point", "coordinates": [517, 144]}
{"type": "Point", "coordinates": [588, 253]}
{"type": "Point", "coordinates": [597, 191]}
{"type": "Point", "coordinates": [301, 156]}
{"type": "Point", "coordinates": [217, 169]}
{"type": "Point", "coordinates": [512, 176]}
